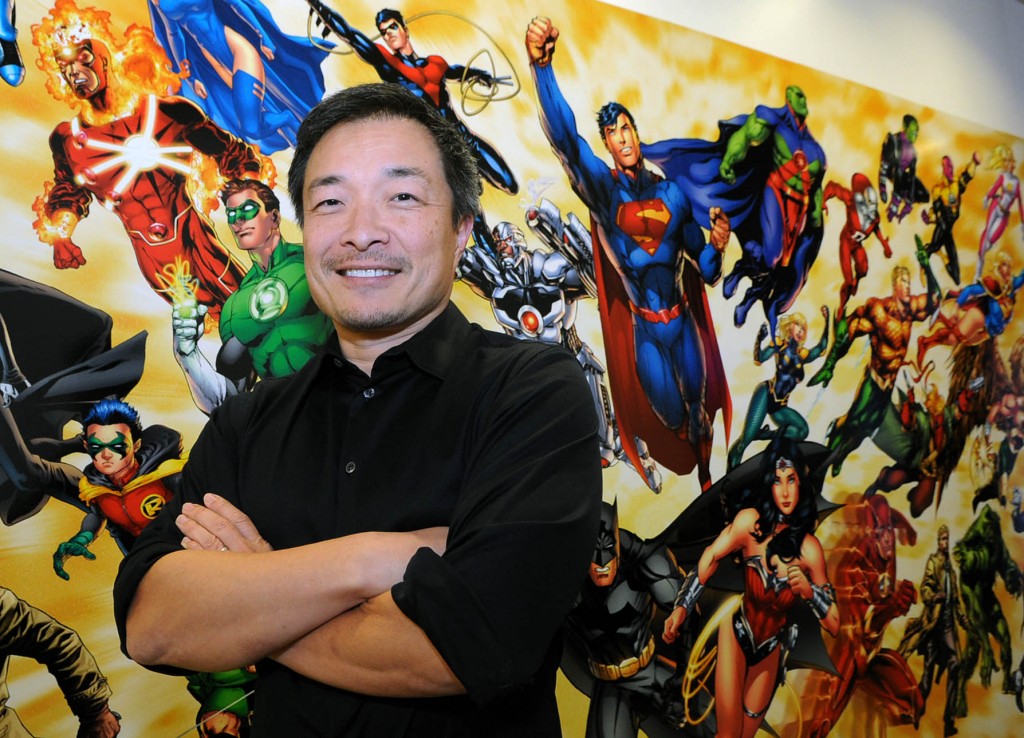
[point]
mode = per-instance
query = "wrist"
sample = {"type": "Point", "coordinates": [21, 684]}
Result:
{"type": "Point", "coordinates": [380, 562]}
{"type": "Point", "coordinates": [821, 600]}
{"type": "Point", "coordinates": [83, 538]}
{"type": "Point", "coordinates": [689, 592]}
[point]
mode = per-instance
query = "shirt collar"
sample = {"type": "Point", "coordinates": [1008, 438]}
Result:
{"type": "Point", "coordinates": [433, 350]}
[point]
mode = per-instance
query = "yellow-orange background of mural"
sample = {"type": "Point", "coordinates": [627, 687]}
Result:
{"type": "Point", "coordinates": [677, 83]}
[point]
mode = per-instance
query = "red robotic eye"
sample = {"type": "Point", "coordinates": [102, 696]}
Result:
{"type": "Point", "coordinates": [531, 320]}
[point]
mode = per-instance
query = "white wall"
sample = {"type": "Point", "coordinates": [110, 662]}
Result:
{"type": "Point", "coordinates": [964, 57]}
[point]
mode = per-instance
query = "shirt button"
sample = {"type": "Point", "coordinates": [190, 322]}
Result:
{"type": "Point", "coordinates": [350, 467]}
{"type": "Point", "coordinates": [339, 363]}
{"type": "Point", "coordinates": [368, 392]}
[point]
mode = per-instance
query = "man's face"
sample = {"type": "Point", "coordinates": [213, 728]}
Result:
{"type": "Point", "coordinates": [1005, 269]}
{"type": "Point", "coordinates": [381, 249]}
{"type": "Point", "coordinates": [944, 541]}
{"type": "Point", "coordinates": [394, 34]}
{"type": "Point", "coordinates": [604, 575]}
{"type": "Point", "coordinates": [883, 532]}
{"type": "Point", "coordinates": [797, 100]}
{"type": "Point", "coordinates": [249, 220]}
{"type": "Point", "coordinates": [947, 168]}
{"type": "Point", "coordinates": [111, 448]}
{"type": "Point", "coordinates": [786, 490]}
{"type": "Point", "coordinates": [621, 140]}
{"type": "Point", "coordinates": [885, 541]}
{"type": "Point", "coordinates": [911, 131]}
{"type": "Point", "coordinates": [509, 242]}
{"type": "Point", "coordinates": [84, 68]}
{"type": "Point", "coordinates": [901, 287]}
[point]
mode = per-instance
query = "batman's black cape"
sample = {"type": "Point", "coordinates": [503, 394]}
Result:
{"type": "Point", "coordinates": [62, 346]}
{"type": "Point", "coordinates": [695, 528]}
{"type": "Point", "coordinates": [700, 523]}
{"type": "Point", "coordinates": [654, 721]}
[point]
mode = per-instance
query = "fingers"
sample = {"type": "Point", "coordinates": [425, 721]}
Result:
{"type": "Point", "coordinates": [58, 567]}
{"type": "Point", "coordinates": [540, 40]}
{"type": "Point", "coordinates": [217, 524]}
{"type": "Point", "coordinates": [244, 525]}
{"type": "Point", "coordinates": [195, 522]}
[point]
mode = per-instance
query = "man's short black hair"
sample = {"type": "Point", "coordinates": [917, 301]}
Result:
{"type": "Point", "coordinates": [384, 101]}
{"type": "Point", "coordinates": [609, 113]}
{"type": "Point", "coordinates": [386, 14]}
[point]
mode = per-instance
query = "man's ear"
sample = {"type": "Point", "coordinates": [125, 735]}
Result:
{"type": "Point", "coordinates": [462, 238]}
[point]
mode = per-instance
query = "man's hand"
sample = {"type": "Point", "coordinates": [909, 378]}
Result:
{"type": "Point", "coordinates": [672, 624]}
{"type": "Point", "coordinates": [104, 724]}
{"type": "Point", "coordinates": [67, 255]}
{"type": "Point", "coordinates": [217, 525]}
{"type": "Point", "coordinates": [904, 596]}
{"type": "Point", "coordinates": [726, 172]}
{"type": "Point", "coordinates": [188, 321]}
{"type": "Point", "coordinates": [921, 253]}
{"type": "Point", "coordinates": [540, 41]}
{"type": "Point", "coordinates": [720, 228]}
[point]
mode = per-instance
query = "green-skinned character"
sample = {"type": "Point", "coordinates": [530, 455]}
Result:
{"type": "Point", "coordinates": [982, 555]}
{"type": "Point", "coordinates": [270, 327]}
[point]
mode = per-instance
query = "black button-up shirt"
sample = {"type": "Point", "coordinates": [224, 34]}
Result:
{"type": "Point", "coordinates": [462, 427]}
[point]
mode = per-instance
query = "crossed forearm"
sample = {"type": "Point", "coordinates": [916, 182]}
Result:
{"type": "Point", "coordinates": [242, 606]}
{"type": "Point", "coordinates": [373, 649]}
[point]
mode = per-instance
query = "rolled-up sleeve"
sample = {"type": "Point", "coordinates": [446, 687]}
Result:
{"type": "Point", "coordinates": [523, 530]}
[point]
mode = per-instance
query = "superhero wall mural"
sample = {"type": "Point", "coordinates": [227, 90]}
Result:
{"type": "Point", "coordinates": [793, 298]}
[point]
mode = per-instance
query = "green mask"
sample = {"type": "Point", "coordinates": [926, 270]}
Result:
{"type": "Point", "coordinates": [95, 446]}
{"type": "Point", "coordinates": [246, 211]}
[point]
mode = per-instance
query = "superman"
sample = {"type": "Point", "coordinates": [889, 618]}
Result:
{"type": "Point", "coordinates": [765, 171]}
{"type": "Point", "coordinates": [665, 368]}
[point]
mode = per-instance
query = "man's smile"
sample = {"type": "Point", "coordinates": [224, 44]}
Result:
{"type": "Point", "coordinates": [365, 273]}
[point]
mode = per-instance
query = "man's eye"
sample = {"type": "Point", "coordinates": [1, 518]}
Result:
{"type": "Point", "coordinates": [329, 202]}
{"type": "Point", "coordinates": [405, 197]}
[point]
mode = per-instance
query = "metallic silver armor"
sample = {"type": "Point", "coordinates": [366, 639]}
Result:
{"type": "Point", "coordinates": [533, 296]}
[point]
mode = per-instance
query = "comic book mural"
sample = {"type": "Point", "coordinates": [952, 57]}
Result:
{"type": "Point", "coordinates": [793, 299]}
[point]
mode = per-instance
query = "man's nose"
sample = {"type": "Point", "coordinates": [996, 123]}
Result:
{"type": "Point", "coordinates": [365, 227]}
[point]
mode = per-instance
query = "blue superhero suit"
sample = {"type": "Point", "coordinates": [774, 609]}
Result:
{"type": "Point", "coordinates": [665, 369]}
{"type": "Point", "coordinates": [194, 31]}
{"type": "Point", "coordinates": [994, 299]}
{"type": "Point", "coordinates": [779, 225]}
{"type": "Point", "coordinates": [12, 68]}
